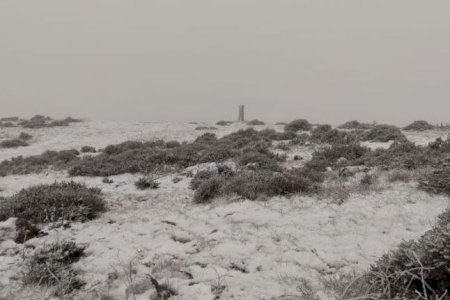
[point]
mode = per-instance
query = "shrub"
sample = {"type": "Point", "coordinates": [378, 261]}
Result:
{"type": "Point", "coordinates": [205, 128]}
{"type": "Point", "coordinates": [437, 181]}
{"type": "Point", "coordinates": [52, 266]}
{"type": "Point", "coordinates": [330, 155]}
{"type": "Point", "coordinates": [208, 190]}
{"type": "Point", "coordinates": [200, 177]}
{"type": "Point", "coordinates": [419, 126]}
{"type": "Point", "coordinates": [88, 149]}
{"type": "Point", "coordinates": [324, 134]}
{"type": "Point", "coordinates": [356, 125]}
{"type": "Point", "coordinates": [297, 125]}
{"type": "Point", "coordinates": [224, 123]}
{"type": "Point", "coordinates": [272, 134]}
{"type": "Point", "coordinates": [255, 122]}
{"type": "Point", "coordinates": [144, 183]}
{"type": "Point", "coordinates": [400, 175]}
{"type": "Point", "coordinates": [258, 160]}
{"type": "Point", "coordinates": [25, 136]}
{"type": "Point", "coordinates": [49, 203]}
{"type": "Point", "coordinates": [415, 270]}
{"type": "Point", "coordinates": [38, 163]}
{"type": "Point", "coordinates": [107, 180]}
{"type": "Point", "coordinates": [40, 121]}
{"type": "Point", "coordinates": [368, 180]}
{"type": "Point", "coordinates": [384, 133]}
{"type": "Point", "coordinates": [9, 119]}
{"type": "Point", "coordinates": [7, 124]}
{"type": "Point", "coordinates": [13, 143]}
{"type": "Point", "coordinates": [301, 139]}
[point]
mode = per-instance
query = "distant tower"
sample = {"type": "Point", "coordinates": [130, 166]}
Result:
{"type": "Point", "coordinates": [241, 117]}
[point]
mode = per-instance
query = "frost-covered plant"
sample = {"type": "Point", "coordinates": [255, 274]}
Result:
{"type": "Point", "coordinates": [299, 124]}
{"type": "Point", "coordinates": [415, 270]}
{"type": "Point", "coordinates": [419, 126]}
{"type": "Point", "coordinates": [49, 203]}
{"type": "Point", "coordinates": [51, 265]}
{"type": "Point", "coordinates": [147, 182]}
{"type": "Point", "coordinates": [13, 143]}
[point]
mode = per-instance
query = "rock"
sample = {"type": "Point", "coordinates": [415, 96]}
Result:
{"type": "Point", "coordinates": [8, 230]}
{"type": "Point", "coordinates": [18, 230]}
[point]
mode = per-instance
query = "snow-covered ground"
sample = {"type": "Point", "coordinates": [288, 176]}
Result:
{"type": "Point", "coordinates": [276, 249]}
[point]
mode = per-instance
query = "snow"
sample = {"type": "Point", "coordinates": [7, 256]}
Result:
{"type": "Point", "coordinates": [238, 249]}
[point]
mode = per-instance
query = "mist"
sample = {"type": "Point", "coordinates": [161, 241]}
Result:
{"type": "Point", "coordinates": [326, 61]}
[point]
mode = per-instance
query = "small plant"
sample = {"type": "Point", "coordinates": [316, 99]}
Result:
{"type": "Point", "coordinates": [52, 266]}
{"type": "Point", "coordinates": [437, 181]}
{"type": "Point", "coordinates": [144, 183]}
{"type": "Point", "coordinates": [88, 149]}
{"type": "Point", "coordinates": [419, 126]}
{"type": "Point", "coordinates": [400, 175]}
{"type": "Point", "coordinates": [224, 123]}
{"type": "Point", "coordinates": [13, 143]}
{"type": "Point", "coordinates": [25, 136]}
{"type": "Point", "coordinates": [368, 180]}
{"type": "Point", "coordinates": [107, 180]}
{"type": "Point", "coordinates": [384, 133]}
{"type": "Point", "coordinates": [255, 122]}
{"type": "Point", "coordinates": [50, 203]}
{"type": "Point", "coordinates": [356, 125]}
{"type": "Point", "coordinates": [297, 125]}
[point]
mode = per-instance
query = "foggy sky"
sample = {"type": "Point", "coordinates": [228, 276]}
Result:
{"type": "Point", "coordinates": [187, 60]}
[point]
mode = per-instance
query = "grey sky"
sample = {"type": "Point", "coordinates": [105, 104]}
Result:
{"type": "Point", "coordinates": [327, 61]}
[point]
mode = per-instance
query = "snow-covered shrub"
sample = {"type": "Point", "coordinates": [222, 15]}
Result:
{"type": "Point", "coordinates": [51, 265]}
{"type": "Point", "coordinates": [147, 182]}
{"type": "Point", "coordinates": [261, 183]}
{"type": "Point", "coordinates": [415, 270]}
{"type": "Point", "coordinates": [88, 149]}
{"type": "Point", "coordinates": [49, 203]}
{"type": "Point", "coordinates": [296, 125]}
{"type": "Point", "coordinates": [384, 133]}
{"type": "Point", "coordinates": [419, 126]}
{"type": "Point", "coordinates": [38, 163]}
{"type": "Point", "coordinates": [258, 160]}
{"type": "Point", "coordinates": [255, 122]}
{"type": "Point", "coordinates": [437, 181]}
{"type": "Point", "coordinates": [25, 136]}
{"type": "Point", "coordinates": [224, 123]}
{"type": "Point", "coordinates": [355, 125]}
{"type": "Point", "coordinates": [13, 143]}
{"type": "Point", "coordinates": [332, 155]}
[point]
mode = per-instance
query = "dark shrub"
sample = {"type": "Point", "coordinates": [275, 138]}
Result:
{"type": "Point", "coordinates": [88, 149]}
{"type": "Point", "coordinates": [415, 270]}
{"type": "Point", "coordinates": [224, 123]}
{"type": "Point", "coordinates": [107, 180]}
{"type": "Point", "coordinates": [51, 266]}
{"type": "Point", "coordinates": [49, 203]}
{"type": "Point", "coordinates": [258, 160]}
{"type": "Point", "coordinates": [368, 180]}
{"type": "Point", "coordinates": [144, 183]}
{"type": "Point", "coordinates": [40, 121]}
{"type": "Point", "coordinates": [301, 139]}
{"type": "Point", "coordinates": [13, 143]}
{"type": "Point", "coordinates": [9, 119]}
{"type": "Point", "coordinates": [437, 181]}
{"type": "Point", "coordinates": [356, 125]}
{"type": "Point", "coordinates": [25, 136]}
{"type": "Point", "coordinates": [200, 177]}
{"type": "Point", "coordinates": [324, 134]}
{"type": "Point", "coordinates": [255, 122]}
{"type": "Point", "coordinates": [7, 124]}
{"type": "Point", "coordinates": [297, 125]}
{"type": "Point", "coordinates": [332, 154]}
{"type": "Point", "coordinates": [272, 134]}
{"type": "Point", "coordinates": [384, 133]}
{"type": "Point", "coordinates": [419, 126]}
{"type": "Point", "coordinates": [205, 128]}
{"type": "Point", "coordinates": [38, 163]}
{"type": "Point", "coordinates": [208, 190]}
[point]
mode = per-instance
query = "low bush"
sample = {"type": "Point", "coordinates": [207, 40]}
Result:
{"type": "Point", "coordinates": [356, 125]}
{"type": "Point", "coordinates": [200, 177]}
{"type": "Point", "coordinates": [419, 126]}
{"type": "Point", "coordinates": [50, 203]}
{"type": "Point", "coordinates": [205, 128]}
{"type": "Point", "coordinates": [88, 149]}
{"type": "Point", "coordinates": [415, 270]}
{"type": "Point", "coordinates": [255, 122]}
{"type": "Point", "coordinates": [9, 119]}
{"type": "Point", "coordinates": [144, 183]}
{"type": "Point", "coordinates": [39, 163]}
{"type": "Point", "coordinates": [330, 156]}
{"type": "Point", "coordinates": [40, 121]}
{"type": "Point", "coordinates": [258, 184]}
{"type": "Point", "coordinates": [437, 181]}
{"type": "Point", "coordinates": [25, 136]}
{"type": "Point", "coordinates": [298, 125]}
{"type": "Point", "coordinates": [7, 124]}
{"type": "Point", "coordinates": [384, 133]}
{"type": "Point", "coordinates": [224, 123]}
{"type": "Point", "coordinates": [257, 160]}
{"type": "Point", "coordinates": [107, 180]}
{"type": "Point", "coordinates": [400, 176]}
{"type": "Point", "coordinates": [13, 143]}
{"type": "Point", "coordinates": [51, 265]}
{"type": "Point", "coordinates": [325, 134]}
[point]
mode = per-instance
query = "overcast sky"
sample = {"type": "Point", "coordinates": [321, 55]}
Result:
{"type": "Point", "coordinates": [327, 61]}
